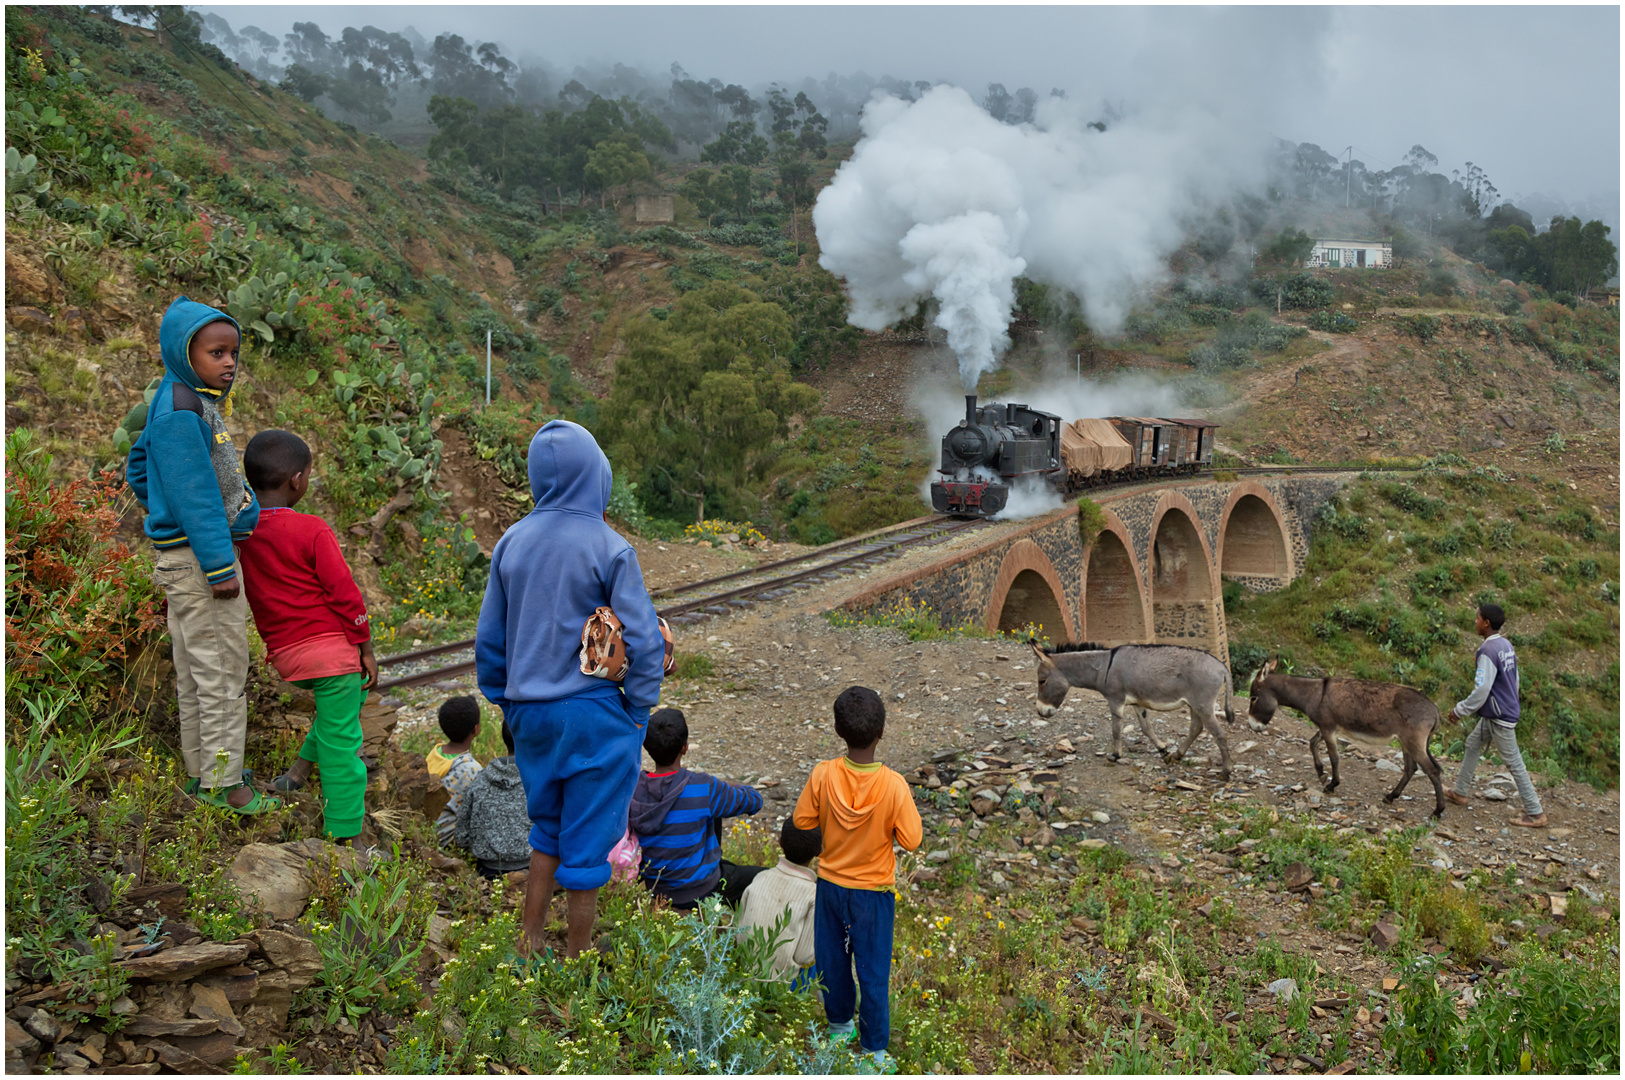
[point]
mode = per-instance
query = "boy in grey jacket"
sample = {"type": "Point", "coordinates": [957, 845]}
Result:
{"type": "Point", "coordinates": [1494, 701]}
{"type": "Point", "coordinates": [493, 823]}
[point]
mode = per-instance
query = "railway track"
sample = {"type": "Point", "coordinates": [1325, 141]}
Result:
{"type": "Point", "coordinates": [824, 564]}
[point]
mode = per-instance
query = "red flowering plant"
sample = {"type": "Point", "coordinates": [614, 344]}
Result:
{"type": "Point", "coordinates": [79, 605]}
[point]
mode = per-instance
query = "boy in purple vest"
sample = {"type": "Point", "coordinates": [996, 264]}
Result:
{"type": "Point", "coordinates": [1495, 700]}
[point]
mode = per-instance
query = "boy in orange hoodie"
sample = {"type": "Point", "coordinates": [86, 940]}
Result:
{"type": "Point", "coordinates": [862, 807]}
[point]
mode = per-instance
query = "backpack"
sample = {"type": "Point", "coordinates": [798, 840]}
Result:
{"type": "Point", "coordinates": [603, 649]}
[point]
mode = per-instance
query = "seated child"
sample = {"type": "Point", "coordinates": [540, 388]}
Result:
{"type": "Point", "coordinates": [455, 762]}
{"type": "Point", "coordinates": [314, 623]}
{"type": "Point", "coordinates": [862, 808]}
{"type": "Point", "coordinates": [790, 886]}
{"type": "Point", "coordinates": [677, 817]}
{"type": "Point", "coordinates": [492, 820]}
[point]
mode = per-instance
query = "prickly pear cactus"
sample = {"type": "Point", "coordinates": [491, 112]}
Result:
{"type": "Point", "coordinates": [130, 428]}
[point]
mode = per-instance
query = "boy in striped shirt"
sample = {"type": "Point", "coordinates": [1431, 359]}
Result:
{"type": "Point", "coordinates": [677, 817]}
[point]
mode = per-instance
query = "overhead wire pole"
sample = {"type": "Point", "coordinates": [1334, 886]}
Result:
{"type": "Point", "coordinates": [1348, 185]}
{"type": "Point", "coordinates": [488, 368]}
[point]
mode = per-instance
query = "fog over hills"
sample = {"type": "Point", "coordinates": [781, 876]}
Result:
{"type": "Point", "coordinates": [1528, 94]}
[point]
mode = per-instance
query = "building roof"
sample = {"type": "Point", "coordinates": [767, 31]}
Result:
{"type": "Point", "coordinates": [1356, 243]}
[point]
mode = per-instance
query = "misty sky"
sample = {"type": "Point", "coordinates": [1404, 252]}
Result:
{"type": "Point", "coordinates": [1531, 94]}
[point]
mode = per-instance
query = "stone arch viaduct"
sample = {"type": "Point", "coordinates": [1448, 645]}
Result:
{"type": "Point", "coordinates": [1151, 573]}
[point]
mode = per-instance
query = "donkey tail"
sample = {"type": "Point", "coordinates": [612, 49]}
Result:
{"type": "Point", "coordinates": [1427, 743]}
{"type": "Point", "coordinates": [1229, 709]}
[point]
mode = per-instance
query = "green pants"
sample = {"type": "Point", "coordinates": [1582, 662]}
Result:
{"type": "Point", "coordinates": [333, 745]}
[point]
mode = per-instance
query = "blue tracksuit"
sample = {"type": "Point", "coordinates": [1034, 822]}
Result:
{"type": "Point", "coordinates": [578, 740]}
{"type": "Point", "coordinates": [672, 817]}
{"type": "Point", "coordinates": [183, 469]}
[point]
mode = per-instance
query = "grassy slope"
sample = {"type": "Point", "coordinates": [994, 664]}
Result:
{"type": "Point", "coordinates": [1396, 571]}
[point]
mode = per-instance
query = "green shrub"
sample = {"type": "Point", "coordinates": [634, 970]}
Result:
{"type": "Point", "coordinates": [1302, 291]}
{"type": "Point", "coordinates": [1333, 322]}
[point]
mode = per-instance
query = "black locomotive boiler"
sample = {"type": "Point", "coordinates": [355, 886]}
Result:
{"type": "Point", "coordinates": [992, 448]}
{"type": "Point", "coordinates": [996, 446]}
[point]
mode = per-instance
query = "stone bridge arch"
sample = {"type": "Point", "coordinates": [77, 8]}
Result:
{"type": "Point", "coordinates": [1028, 590]}
{"type": "Point", "coordinates": [1254, 548]}
{"type": "Point", "coordinates": [1115, 607]}
{"type": "Point", "coordinates": [1186, 604]}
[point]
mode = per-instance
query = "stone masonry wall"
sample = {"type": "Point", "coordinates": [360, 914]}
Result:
{"type": "Point", "coordinates": [960, 588]}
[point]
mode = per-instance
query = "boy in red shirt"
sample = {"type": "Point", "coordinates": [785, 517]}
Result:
{"type": "Point", "coordinates": [314, 623]}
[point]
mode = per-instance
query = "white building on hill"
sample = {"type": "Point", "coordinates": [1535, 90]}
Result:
{"type": "Point", "coordinates": [1365, 254]}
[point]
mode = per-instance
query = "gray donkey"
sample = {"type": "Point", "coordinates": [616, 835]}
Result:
{"type": "Point", "coordinates": [1159, 677]}
{"type": "Point", "coordinates": [1369, 711]}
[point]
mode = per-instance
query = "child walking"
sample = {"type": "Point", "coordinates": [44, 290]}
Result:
{"type": "Point", "coordinates": [861, 807]}
{"type": "Point", "coordinates": [184, 472]}
{"type": "Point", "coordinates": [314, 623]}
{"type": "Point", "coordinates": [1494, 701]}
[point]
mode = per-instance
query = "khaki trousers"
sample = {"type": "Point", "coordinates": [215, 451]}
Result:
{"type": "Point", "coordinates": [210, 639]}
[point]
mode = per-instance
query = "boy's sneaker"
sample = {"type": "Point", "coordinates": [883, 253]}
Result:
{"type": "Point", "coordinates": [840, 1034]}
{"type": "Point", "coordinates": [884, 1062]}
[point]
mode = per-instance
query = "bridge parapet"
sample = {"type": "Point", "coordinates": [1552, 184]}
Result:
{"type": "Point", "coordinates": [1153, 573]}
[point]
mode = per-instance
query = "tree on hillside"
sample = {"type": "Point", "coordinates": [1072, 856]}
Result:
{"type": "Point", "coordinates": [795, 190]}
{"type": "Point", "coordinates": [305, 84]}
{"type": "Point", "coordinates": [700, 397]}
{"type": "Point", "coordinates": [459, 72]}
{"type": "Point", "coordinates": [1578, 257]}
{"type": "Point", "coordinates": [739, 144]}
{"type": "Point", "coordinates": [1289, 248]}
{"type": "Point", "coordinates": [613, 163]}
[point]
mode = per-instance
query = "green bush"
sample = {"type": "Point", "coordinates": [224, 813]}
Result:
{"type": "Point", "coordinates": [1301, 291]}
{"type": "Point", "coordinates": [1333, 322]}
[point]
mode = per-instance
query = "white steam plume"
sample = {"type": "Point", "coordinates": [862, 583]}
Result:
{"type": "Point", "coordinates": [939, 200]}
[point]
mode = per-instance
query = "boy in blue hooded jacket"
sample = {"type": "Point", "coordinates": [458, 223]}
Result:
{"type": "Point", "coordinates": [578, 740]}
{"type": "Point", "coordinates": [185, 472]}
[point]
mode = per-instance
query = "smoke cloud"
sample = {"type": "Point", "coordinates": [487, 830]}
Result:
{"type": "Point", "coordinates": [942, 202]}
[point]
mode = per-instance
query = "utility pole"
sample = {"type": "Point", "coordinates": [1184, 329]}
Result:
{"type": "Point", "coordinates": [1348, 185]}
{"type": "Point", "coordinates": [488, 367]}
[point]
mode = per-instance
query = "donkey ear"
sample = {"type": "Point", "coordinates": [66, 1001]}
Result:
{"type": "Point", "coordinates": [1043, 657]}
{"type": "Point", "coordinates": [1269, 666]}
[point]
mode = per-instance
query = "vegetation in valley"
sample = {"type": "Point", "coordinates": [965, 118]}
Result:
{"type": "Point", "coordinates": [372, 207]}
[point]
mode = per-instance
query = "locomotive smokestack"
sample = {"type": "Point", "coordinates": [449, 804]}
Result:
{"type": "Point", "coordinates": [970, 410]}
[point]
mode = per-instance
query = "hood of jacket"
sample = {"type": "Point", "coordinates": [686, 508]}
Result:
{"type": "Point", "coordinates": [652, 799]}
{"type": "Point", "coordinates": [854, 794]}
{"type": "Point", "coordinates": [185, 318]}
{"type": "Point", "coordinates": [502, 772]}
{"type": "Point", "coordinates": [568, 471]}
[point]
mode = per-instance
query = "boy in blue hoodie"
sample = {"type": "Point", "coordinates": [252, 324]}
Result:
{"type": "Point", "coordinates": [185, 472]}
{"type": "Point", "coordinates": [577, 739]}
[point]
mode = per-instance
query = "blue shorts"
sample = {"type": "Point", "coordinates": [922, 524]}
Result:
{"type": "Point", "coordinates": [578, 758]}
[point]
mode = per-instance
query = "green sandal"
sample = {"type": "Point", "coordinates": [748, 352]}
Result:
{"type": "Point", "coordinates": [259, 804]}
{"type": "Point", "coordinates": [193, 785]}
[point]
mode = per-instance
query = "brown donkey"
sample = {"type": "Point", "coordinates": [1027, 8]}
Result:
{"type": "Point", "coordinates": [1368, 711]}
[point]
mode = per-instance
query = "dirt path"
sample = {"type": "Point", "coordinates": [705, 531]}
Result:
{"type": "Point", "coordinates": [765, 718]}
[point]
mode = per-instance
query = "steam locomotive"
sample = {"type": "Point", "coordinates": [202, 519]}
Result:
{"type": "Point", "coordinates": [996, 445]}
